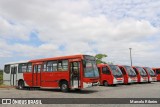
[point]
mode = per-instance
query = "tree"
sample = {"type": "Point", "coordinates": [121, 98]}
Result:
{"type": "Point", "coordinates": [99, 58]}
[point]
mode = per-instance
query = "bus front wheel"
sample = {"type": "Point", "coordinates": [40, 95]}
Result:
{"type": "Point", "coordinates": [64, 86]}
{"type": "Point", "coordinates": [105, 83]}
{"type": "Point", "coordinates": [20, 85]}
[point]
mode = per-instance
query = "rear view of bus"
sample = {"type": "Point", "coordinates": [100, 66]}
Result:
{"type": "Point", "coordinates": [141, 74]}
{"type": "Point", "coordinates": [110, 74]}
{"type": "Point", "coordinates": [151, 74]}
{"type": "Point", "coordinates": [129, 74]}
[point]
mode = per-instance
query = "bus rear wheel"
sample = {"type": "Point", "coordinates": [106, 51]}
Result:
{"type": "Point", "coordinates": [21, 85]}
{"type": "Point", "coordinates": [64, 86]}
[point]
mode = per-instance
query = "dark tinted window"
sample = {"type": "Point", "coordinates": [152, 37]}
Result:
{"type": "Point", "coordinates": [7, 69]}
{"type": "Point", "coordinates": [123, 71]}
{"type": "Point", "coordinates": [158, 71]}
{"type": "Point", "coordinates": [135, 70]}
{"type": "Point", "coordinates": [105, 70]}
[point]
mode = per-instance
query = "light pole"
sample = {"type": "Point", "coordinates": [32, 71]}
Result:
{"type": "Point", "coordinates": [130, 55]}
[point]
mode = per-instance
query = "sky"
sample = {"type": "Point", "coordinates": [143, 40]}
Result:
{"type": "Point", "coordinates": [32, 29]}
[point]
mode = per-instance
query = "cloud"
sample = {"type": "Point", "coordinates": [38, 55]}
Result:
{"type": "Point", "coordinates": [9, 30]}
{"type": "Point", "coordinates": [80, 26]}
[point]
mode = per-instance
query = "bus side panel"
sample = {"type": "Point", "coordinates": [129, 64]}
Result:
{"type": "Point", "coordinates": [20, 76]}
{"type": "Point", "coordinates": [138, 75]}
{"type": "Point", "coordinates": [108, 78]}
{"type": "Point", "coordinates": [125, 79]}
{"type": "Point", "coordinates": [158, 74]}
{"type": "Point", "coordinates": [139, 78]}
{"type": "Point", "coordinates": [51, 79]}
{"type": "Point", "coordinates": [158, 77]}
{"type": "Point", "coordinates": [28, 79]}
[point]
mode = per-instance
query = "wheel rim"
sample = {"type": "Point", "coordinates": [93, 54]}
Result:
{"type": "Point", "coordinates": [64, 86]}
{"type": "Point", "coordinates": [105, 83]}
{"type": "Point", "coordinates": [20, 85]}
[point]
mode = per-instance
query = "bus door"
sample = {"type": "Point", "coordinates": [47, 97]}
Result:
{"type": "Point", "coordinates": [75, 74]}
{"type": "Point", "coordinates": [13, 76]}
{"type": "Point", "coordinates": [37, 74]}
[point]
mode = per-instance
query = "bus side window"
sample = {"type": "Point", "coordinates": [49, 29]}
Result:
{"type": "Point", "coordinates": [22, 68]}
{"type": "Point", "coordinates": [63, 65]}
{"type": "Point", "coordinates": [105, 70]}
{"type": "Point", "coordinates": [49, 66]}
{"type": "Point", "coordinates": [54, 65]}
{"type": "Point", "coordinates": [7, 69]}
{"type": "Point", "coordinates": [158, 71]}
{"type": "Point", "coordinates": [29, 67]}
{"type": "Point", "coordinates": [45, 66]}
{"type": "Point", "coordinates": [123, 71]}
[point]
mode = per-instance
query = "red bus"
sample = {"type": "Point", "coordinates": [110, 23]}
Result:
{"type": "Point", "coordinates": [129, 74]}
{"type": "Point", "coordinates": [110, 74]}
{"type": "Point", "coordinates": [141, 74]}
{"type": "Point", "coordinates": [66, 72]}
{"type": "Point", "coordinates": [157, 71]}
{"type": "Point", "coordinates": [151, 74]}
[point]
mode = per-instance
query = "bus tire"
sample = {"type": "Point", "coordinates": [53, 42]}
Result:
{"type": "Point", "coordinates": [64, 86]}
{"type": "Point", "coordinates": [21, 85]}
{"type": "Point", "coordinates": [105, 83]}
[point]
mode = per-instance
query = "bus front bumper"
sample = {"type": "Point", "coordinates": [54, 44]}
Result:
{"type": "Point", "coordinates": [89, 84]}
{"type": "Point", "coordinates": [132, 80]}
{"type": "Point", "coordinates": [118, 81]}
{"type": "Point", "coordinates": [152, 79]}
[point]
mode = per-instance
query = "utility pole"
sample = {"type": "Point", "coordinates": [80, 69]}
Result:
{"type": "Point", "coordinates": [130, 55]}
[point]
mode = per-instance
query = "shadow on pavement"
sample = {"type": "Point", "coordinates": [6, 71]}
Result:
{"type": "Point", "coordinates": [58, 90]}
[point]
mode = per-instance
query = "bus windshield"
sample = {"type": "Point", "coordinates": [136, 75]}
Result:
{"type": "Point", "coordinates": [90, 69]}
{"type": "Point", "coordinates": [142, 71]}
{"type": "Point", "coordinates": [130, 71]}
{"type": "Point", "coordinates": [116, 71]}
{"type": "Point", "coordinates": [150, 71]}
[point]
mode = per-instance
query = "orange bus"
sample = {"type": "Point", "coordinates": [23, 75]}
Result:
{"type": "Point", "coordinates": [151, 74]}
{"type": "Point", "coordinates": [141, 74]}
{"type": "Point", "coordinates": [65, 72]}
{"type": "Point", "coordinates": [129, 74]}
{"type": "Point", "coordinates": [110, 74]}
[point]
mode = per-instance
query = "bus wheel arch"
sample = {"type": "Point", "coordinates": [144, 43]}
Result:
{"type": "Point", "coordinates": [64, 86]}
{"type": "Point", "coordinates": [21, 84]}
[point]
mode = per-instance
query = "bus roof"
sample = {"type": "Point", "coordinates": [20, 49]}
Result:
{"type": "Point", "coordinates": [9, 63]}
{"type": "Point", "coordinates": [99, 65]}
{"type": "Point", "coordinates": [155, 68]}
{"type": "Point", "coordinates": [57, 58]}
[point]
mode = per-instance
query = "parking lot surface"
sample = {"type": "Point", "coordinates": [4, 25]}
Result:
{"type": "Point", "coordinates": [148, 90]}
